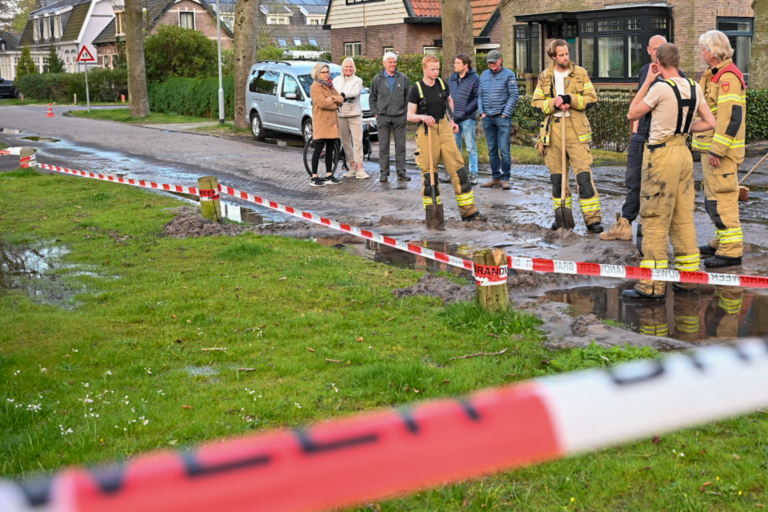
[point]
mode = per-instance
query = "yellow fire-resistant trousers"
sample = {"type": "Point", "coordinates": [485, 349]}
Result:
{"type": "Point", "coordinates": [686, 311]}
{"type": "Point", "coordinates": [723, 320]}
{"type": "Point", "coordinates": [444, 150]}
{"type": "Point", "coordinates": [653, 320]}
{"type": "Point", "coordinates": [579, 157]}
{"type": "Point", "coordinates": [666, 207]}
{"type": "Point", "coordinates": [721, 190]}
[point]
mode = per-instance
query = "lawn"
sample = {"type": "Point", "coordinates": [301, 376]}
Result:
{"type": "Point", "coordinates": [107, 360]}
{"type": "Point", "coordinates": [123, 115]}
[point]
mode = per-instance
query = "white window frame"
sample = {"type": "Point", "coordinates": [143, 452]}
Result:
{"type": "Point", "coordinates": [349, 49]}
{"type": "Point", "coordinates": [194, 20]}
{"type": "Point", "coordinates": [295, 43]}
{"type": "Point", "coordinates": [432, 50]}
{"type": "Point", "coordinates": [315, 19]}
{"type": "Point", "coordinates": [275, 19]}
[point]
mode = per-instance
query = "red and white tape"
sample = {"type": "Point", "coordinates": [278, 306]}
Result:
{"type": "Point", "coordinates": [515, 262]}
{"type": "Point", "coordinates": [10, 151]}
{"type": "Point", "coordinates": [346, 462]}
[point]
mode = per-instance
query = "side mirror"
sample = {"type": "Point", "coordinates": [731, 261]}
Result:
{"type": "Point", "coordinates": [291, 96]}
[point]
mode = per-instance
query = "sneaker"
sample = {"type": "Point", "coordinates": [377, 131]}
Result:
{"type": "Point", "coordinates": [383, 178]}
{"type": "Point", "coordinates": [595, 227]}
{"type": "Point", "coordinates": [317, 182]}
{"type": "Point", "coordinates": [721, 261]}
{"type": "Point", "coordinates": [362, 175]}
{"type": "Point", "coordinates": [403, 177]}
{"type": "Point", "coordinates": [622, 230]}
{"type": "Point", "coordinates": [332, 180]}
{"type": "Point", "coordinates": [351, 173]}
{"type": "Point", "coordinates": [475, 216]}
{"type": "Point", "coordinates": [707, 250]}
{"type": "Point", "coordinates": [473, 180]}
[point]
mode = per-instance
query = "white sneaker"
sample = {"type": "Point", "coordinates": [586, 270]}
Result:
{"type": "Point", "coordinates": [351, 173]}
{"type": "Point", "coordinates": [362, 175]}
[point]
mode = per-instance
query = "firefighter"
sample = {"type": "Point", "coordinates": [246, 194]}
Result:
{"type": "Point", "coordinates": [564, 93]}
{"type": "Point", "coordinates": [667, 190]}
{"type": "Point", "coordinates": [722, 150]}
{"type": "Point", "coordinates": [430, 105]}
{"type": "Point", "coordinates": [686, 311]}
{"type": "Point", "coordinates": [724, 313]}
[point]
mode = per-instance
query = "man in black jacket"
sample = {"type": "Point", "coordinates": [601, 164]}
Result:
{"type": "Point", "coordinates": [389, 103]}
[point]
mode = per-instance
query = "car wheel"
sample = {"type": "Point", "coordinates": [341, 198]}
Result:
{"type": "Point", "coordinates": [16, 94]}
{"type": "Point", "coordinates": [256, 127]}
{"type": "Point", "coordinates": [306, 129]}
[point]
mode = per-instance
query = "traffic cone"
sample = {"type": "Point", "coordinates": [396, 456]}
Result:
{"type": "Point", "coordinates": [50, 111]}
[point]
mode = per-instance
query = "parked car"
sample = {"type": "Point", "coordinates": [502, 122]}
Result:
{"type": "Point", "coordinates": [278, 98]}
{"type": "Point", "coordinates": [8, 88]}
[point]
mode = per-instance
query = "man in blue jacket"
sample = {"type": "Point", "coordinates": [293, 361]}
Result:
{"type": "Point", "coordinates": [464, 85]}
{"type": "Point", "coordinates": [496, 102]}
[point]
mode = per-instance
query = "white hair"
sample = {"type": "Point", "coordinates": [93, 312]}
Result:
{"type": "Point", "coordinates": [352, 61]}
{"type": "Point", "coordinates": [389, 55]}
{"type": "Point", "coordinates": [716, 43]}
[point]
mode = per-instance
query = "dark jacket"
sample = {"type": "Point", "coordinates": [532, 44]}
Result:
{"type": "Point", "coordinates": [384, 102]}
{"type": "Point", "coordinates": [498, 93]}
{"type": "Point", "coordinates": [464, 93]}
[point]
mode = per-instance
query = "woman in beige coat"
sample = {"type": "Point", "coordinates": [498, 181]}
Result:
{"type": "Point", "coordinates": [350, 86]}
{"type": "Point", "coordinates": [325, 122]}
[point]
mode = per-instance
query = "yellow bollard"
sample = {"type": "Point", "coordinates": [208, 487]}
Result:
{"type": "Point", "coordinates": [491, 267]}
{"type": "Point", "coordinates": [210, 206]}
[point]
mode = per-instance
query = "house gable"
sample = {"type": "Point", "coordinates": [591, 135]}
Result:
{"type": "Point", "coordinates": [366, 14]}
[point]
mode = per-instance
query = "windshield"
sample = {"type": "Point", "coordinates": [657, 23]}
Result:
{"type": "Point", "coordinates": [306, 82]}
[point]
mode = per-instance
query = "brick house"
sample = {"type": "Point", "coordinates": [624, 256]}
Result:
{"type": "Point", "coordinates": [66, 25]}
{"type": "Point", "coordinates": [192, 14]}
{"type": "Point", "coordinates": [373, 27]}
{"type": "Point", "coordinates": [609, 37]}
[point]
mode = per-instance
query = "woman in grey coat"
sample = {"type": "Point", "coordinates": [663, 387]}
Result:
{"type": "Point", "coordinates": [350, 86]}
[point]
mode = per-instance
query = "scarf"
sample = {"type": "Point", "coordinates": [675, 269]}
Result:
{"type": "Point", "coordinates": [326, 83]}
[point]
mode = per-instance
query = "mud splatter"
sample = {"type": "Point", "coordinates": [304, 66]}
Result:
{"type": "Point", "coordinates": [440, 287]}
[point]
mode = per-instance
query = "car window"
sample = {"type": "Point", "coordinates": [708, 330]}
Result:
{"type": "Point", "coordinates": [306, 81]}
{"type": "Point", "coordinates": [264, 82]}
{"type": "Point", "coordinates": [291, 86]}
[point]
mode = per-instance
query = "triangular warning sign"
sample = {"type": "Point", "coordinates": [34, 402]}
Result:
{"type": "Point", "coordinates": [85, 55]}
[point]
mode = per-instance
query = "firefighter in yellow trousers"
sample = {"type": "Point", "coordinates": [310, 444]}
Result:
{"type": "Point", "coordinates": [722, 151]}
{"type": "Point", "coordinates": [667, 190]}
{"type": "Point", "coordinates": [430, 105]}
{"type": "Point", "coordinates": [564, 92]}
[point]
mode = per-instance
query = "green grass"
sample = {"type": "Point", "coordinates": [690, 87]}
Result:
{"type": "Point", "coordinates": [123, 115]}
{"type": "Point", "coordinates": [110, 377]}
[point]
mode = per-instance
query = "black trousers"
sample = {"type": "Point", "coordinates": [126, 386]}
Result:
{"type": "Point", "coordinates": [631, 208]}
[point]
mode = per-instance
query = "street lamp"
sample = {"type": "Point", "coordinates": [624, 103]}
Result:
{"type": "Point", "coordinates": [221, 87]}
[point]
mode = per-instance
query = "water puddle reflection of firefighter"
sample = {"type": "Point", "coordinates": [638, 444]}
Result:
{"type": "Point", "coordinates": [712, 313]}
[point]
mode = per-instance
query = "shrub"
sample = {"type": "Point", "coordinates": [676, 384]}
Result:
{"type": "Point", "coordinates": [270, 53]}
{"type": "Point", "coordinates": [179, 52]}
{"type": "Point", "coordinates": [26, 65]}
{"type": "Point", "coordinates": [757, 114]}
{"type": "Point", "coordinates": [191, 96]}
{"type": "Point", "coordinates": [104, 85]}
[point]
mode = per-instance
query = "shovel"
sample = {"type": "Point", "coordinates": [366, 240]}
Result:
{"type": "Point", "coordinates": [744, 191]}
{"type": "Point", "coordinates": [563, 215]}
{"type": "Point", "coordinates": [434, 212]}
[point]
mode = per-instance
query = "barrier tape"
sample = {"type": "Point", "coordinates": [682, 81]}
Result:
{"type": "Point", "coordinates": [371, 456]}
{"type": "Point", "coordinates": [490, 275]}
{"type": "Point", "coordinates": [514, 262]}
{"type": "Point", "coordinates": [28, 161]}
{"type": "Point", "coordinates": [209, 194]}
{"type": "Point", "coordinates": [10, 151]}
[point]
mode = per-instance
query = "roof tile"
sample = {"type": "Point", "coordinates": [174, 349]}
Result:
{"type": "Point", "coordinates": [482, 10]}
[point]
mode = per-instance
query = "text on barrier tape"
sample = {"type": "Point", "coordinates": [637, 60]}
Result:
{"type": "Point", "coordinates": [515, 262]}
{"type": "Point", "coordinates": [490, 275]}
{"type": "Point", "coordinates": [348, 461]}
{"type": "Point", "coordinates": [209, 194]}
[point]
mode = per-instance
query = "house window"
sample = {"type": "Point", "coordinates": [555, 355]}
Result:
{"type": "Point", "coordinates": [282, 43]}
{"type": "Point", "coordinates": [739, 32]}
{"type": "Point", "coordinates": [41, 28]}
{"type": "Point", "coordinates": [353, 49]}
{"type": "Point", "coordinates": [59, 29]}
{"type": "Point", "coordinates": [313, 41]}
{"type": "Point", "coordinates": [635, 24]}
{"type": "Point", "coordinates": [296, 41]}
{"type": "Point", "coordinates": [52, 26]}
{"type": "Point", "coordinates": [587, 27]}
{"type": "Point", "coordinates": [115, 61]}
{"type": "Point", "coordinates": [658, 23]}
{"type": "Point", "coordinates": [187, 20]}
{"type": "Point", "coordinates": [433, 50]}
{"type": "Point", "coordinates": [388, 49]}
{"type": "Point", "coordinates": [277, 20]}
{"type": "Point", "coordinates": [315, 20]}
{"type": "Point", "coordinates": [561, 31]}
{"type": "Point", "coordinates": [610, 25]}
{"type": "Point", "coordinates": [105, 61]}
{"type": "Point", "coordinates": [521, 48]}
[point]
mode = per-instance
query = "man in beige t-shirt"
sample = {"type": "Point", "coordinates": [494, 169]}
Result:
{"type": "Point", "coordinates": [667, 190]}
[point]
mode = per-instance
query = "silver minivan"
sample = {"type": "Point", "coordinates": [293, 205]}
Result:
{"type": "Point", "coordinates": [278, 98]}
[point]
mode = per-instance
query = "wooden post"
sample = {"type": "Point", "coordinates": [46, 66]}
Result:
{"type": "Point", "coordinates": [75, 99]}
{"type": "Point", "coordinates": [210, 205]}
{"type": "Point", "coordinates": [494, 297]}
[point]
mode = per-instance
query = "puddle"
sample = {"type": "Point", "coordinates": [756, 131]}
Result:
{"type": "Point", "coordinates": [379, 253]}
{"type": "Point", "coordinates": [239, 213]}
{"type": "Point", "coordinates": [10, 130]}
{"type": "Point", "coordinates": [36, 138]}
{"type": "Point", "coordinates": [201, 371]}
{"type": "Point", "coordinates": [280, 142]}
{"type": "Point", "coordinates": [711, 313]}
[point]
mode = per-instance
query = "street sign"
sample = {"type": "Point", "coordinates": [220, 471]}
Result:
{"type": "Point", "coordinates": [87, 54]}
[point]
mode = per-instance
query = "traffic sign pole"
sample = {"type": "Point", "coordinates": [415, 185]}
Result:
{"type": "Point", "coordinates": [86, 55]}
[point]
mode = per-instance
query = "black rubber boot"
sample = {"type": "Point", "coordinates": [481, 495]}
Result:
{"type": "Point", "coordinates": [596, 228]}
{"type": "Point", "coordinates": [722, 261]}
{"type": "Point", "coordinates": [707, 250]}
{"type": "Point", "coordinates": [633, 294]}
{"type": "Point", "coordinates": [475, 216]}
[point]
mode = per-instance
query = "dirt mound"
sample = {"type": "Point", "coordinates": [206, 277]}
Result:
{"type": "Point", "coordinates": [438, 287]}
{"type": "Point", "coordinates": [189, 223]}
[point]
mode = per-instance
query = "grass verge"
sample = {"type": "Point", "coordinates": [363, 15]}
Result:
{"type": "Point", "coordinates": [123, 115]}
{"type": "Point", "coordinates": [114, 364]}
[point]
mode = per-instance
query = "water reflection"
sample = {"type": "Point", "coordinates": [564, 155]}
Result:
{"type": "Point", "coordinates": [10, 130]}
{"type": "Point", "coordinates": [32, 270]}
{"type": "Point", "coordinates": [710, 313]}
{"type": "Point", "coordinates": [238, 213]}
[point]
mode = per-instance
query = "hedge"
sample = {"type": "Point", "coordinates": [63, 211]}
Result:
{"type": "Point", "coordinates": [105, 85]}
{"type": "Point", "coordinates": [192, 96]}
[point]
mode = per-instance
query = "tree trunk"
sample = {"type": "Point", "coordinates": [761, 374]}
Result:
{"type": "Point", "coordinates": [134, 48]}
{"type": "Point", "coordinates": [246, 30]}
{"type": "Point", "coordinates": [457, 15]}
{"type": "Point", "coordinates": [758, 66]}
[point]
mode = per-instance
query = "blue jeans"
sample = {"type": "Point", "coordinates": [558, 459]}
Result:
{"type": "Point", "coordinates": [467, 130]}
{"type": "Point", "coordinates": [497, 132]}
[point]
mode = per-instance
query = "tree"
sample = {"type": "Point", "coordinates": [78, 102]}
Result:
{"type": "Point", "coordinates": [26, 65]}
{"type": "Point", "coordinates": [758, 66]}
{"type": "Point", "coordinates": [179, 52]}
{"type": "Point", "coordinates": [21, 10]}
{"type": "Point", "coordinates": [246, 29]}
{"type": "Point", "coordinates": [457, 14]}
{"type": "Point", "coordinates": [55, 64]}
{"type": "Point", "coordinates": [134, 47]}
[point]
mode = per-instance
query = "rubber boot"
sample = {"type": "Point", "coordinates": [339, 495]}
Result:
{"type": "Point", "coordinates": [622, 230]}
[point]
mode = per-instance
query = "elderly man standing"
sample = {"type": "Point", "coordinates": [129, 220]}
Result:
{"type": "Point", "coordinates": [722, 150]}
{"type": "Point", "coordinates": [389, 103]}
{"type": "Point", "coordinates": [496, 101]}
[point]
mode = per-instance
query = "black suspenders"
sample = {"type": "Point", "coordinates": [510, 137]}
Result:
{"type": "Point", "coordinates": [681, 103]}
